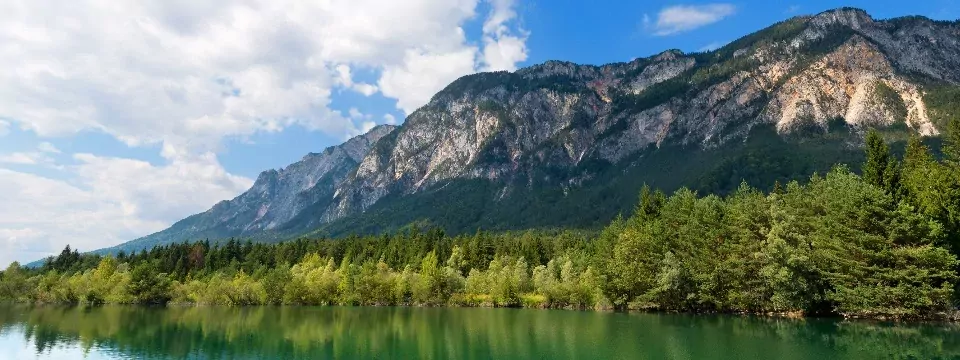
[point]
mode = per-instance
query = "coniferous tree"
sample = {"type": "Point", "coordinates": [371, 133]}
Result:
{"type": "Point", "coordinates": [877, 157]}
{"type": "Point", "coordinates": [878, 169]}
{"type": "Point", "coordinates": [951, 152]}
{"type": "Point", "coordinates": [951, 144]}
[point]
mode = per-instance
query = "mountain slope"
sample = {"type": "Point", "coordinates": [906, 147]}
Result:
{"type": "Point", "coordinates": [274, 199]}
{"type": "Point", "coordinates": [562, 144]}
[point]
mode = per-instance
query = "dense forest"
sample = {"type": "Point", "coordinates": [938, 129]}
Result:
{"type": "Point", "coordinates": [881, 244]}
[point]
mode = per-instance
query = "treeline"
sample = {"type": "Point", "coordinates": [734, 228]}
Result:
{"type": "Point", "coordinates": [883, 244]}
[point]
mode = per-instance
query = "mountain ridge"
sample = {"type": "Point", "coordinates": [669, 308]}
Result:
{"type": "Point", "coordinates": [559, 130]}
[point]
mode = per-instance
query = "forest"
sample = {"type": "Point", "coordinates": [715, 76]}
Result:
{"type": "Point", "coordinates": [880, 244]}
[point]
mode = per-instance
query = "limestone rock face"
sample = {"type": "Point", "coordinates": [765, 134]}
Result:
{"type": "Point", "coordinates": [542, 123]}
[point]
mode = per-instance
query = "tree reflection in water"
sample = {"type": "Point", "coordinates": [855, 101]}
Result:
{"type": "Point", "coordinates": [462, 333]}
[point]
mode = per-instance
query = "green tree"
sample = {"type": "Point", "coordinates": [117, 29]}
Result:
{"type": "Point", "coordinates": [880, 169]}
{"type": "Point", "coordinates": [14, 284]}
{"type": "Point", "coordinates": [148, 285]}
{"type": "Point", "coordinates": [274, 283]}
{"type": "Point", "coordinates": [428, 290]}
{"type": "Point", "coordinates": [933, 189]}
{"type": "Point", "coordinates": [951, 143]}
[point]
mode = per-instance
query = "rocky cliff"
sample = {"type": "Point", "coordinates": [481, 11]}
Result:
{"type": "Point", "coordinates": [776, 104]}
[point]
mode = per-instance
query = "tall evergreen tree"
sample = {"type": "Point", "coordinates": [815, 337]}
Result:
{"type": "Point", "coordinates": [951, 152]}
{"type": "Point", "coordinates": [880, 169]}
{"type": "Point", "coordinates": [951, 144]}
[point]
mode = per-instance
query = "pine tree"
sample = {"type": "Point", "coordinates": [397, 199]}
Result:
{"type": "Point", "coordinates": [951, 154]}
{"type": "Point", "coordinates": [891, 180]}
{"type": "Point", "coordinates": [951, 145]}
{"type": "Point", "coordinates": [878, 160]}
{"type": "Point", "coordinates": [917, 154]}
{"type": "Point", "coordinates": [778, 187]}
{"type": "Point", "coordinates": [650, 203]}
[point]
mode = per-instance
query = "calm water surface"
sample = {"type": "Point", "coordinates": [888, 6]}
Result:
{"type": "Point", "coordinates": [116, 332]}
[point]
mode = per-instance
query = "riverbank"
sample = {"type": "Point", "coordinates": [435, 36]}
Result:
{"type": "Point", "coordinates": [537, 302]}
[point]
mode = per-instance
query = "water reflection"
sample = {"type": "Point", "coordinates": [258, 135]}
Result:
{"type": "Point", "coordinates": [347, 333]}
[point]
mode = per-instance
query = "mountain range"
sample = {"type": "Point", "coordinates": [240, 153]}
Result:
{"type": "Point", "coordinates": [567, 145]}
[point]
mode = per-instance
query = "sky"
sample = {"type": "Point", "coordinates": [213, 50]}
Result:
{"type": "Point", "coordinates": [118, 118]}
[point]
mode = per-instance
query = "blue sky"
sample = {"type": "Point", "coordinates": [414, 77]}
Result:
{"type": "Point", "coordinates": [118, 119]}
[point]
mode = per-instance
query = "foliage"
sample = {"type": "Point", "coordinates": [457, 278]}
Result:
{"type": "Point", "coordinates": [943, 104]}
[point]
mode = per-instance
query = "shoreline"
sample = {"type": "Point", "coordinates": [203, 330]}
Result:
{"type": "Point", "coordinates": [951, 318]}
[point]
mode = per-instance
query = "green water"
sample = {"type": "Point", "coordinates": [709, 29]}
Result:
{"type": "Point", "coordinates": [447, 333]}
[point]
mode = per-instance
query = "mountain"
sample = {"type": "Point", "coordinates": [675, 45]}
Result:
{"type": "Point", "coordinates": [275, 198]}
{"type": "Point", "coordinates": [563, 144]}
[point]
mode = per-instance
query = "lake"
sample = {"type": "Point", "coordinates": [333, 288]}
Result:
{"type": "Point", "coordinates": [129, 332]}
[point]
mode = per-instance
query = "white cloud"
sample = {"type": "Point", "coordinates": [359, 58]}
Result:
{"type": "Point", "coordinates": [345, 79]}
{"type": "Point", "coordinates": [425, 71]}
{"type": "Point", "coordinates": [365, 89]}
{"type": "Point", "coordinates": [30, 216]}
{"type": "Point", "coordinates": [423, 74]}
{"type": "Point", "coordinates": [363, 121]}
{"type": "Point", "coordinates": [22, 158]}
{"type": "Point", "coordinates": [504, 52]}
{"type": "Point", "coordinates": [682, 18]}
{"type": "Point", "coordinates": [712, 46]}
{"type": "Point", "coordinates": [389, 119]}
{"type": "Point", "coordinates": [355, 114]}
{"type": "Point", "coordinates": [793, 9]}
{"type": "Point", "coordinates": [185, 75]}
{"type": "Point", "coordinates": [502, 48]}
{"type": "Point", "coordinates": [193, 73]}
{"type": "Point", "coordinates": [189, 184]}
{"type": "Point", "coordinates": [113, 200]}
{"type": "Point", "coordinates": [367, 126]}
{"type": "Point", "coordinates": [47, 148]}
{"type": "Point", "coordinates": [38, 157]}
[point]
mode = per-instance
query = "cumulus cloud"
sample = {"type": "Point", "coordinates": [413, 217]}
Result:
{"type": "Point", "coordinates": [425, 71]}
{"type": "Point", "coordinates": [682, 18]}
{"type": "Point", "coordinates": [47, 148]}
{"type": "Point", "coordinates": [423, 74]}
{"type": "Point", "coordinates": [186, 75]}
{"type": "Point", "coordinates": [112, 200]}
{"type": "Point", "coordinates": [504, 47]}
{"type": "Point", "coordinates": [363, 121]}
{"type": "Point", "coordinates": [41, 156]}
{"type": "Point", "coordinates": [345, 79]}
{"type": "Point", "coordinates": [22, 158]}
{"type": "Point", "coordinates": [188, 185]}
{"type": "Point", "coordinates": [191, 74]}
{"type": "Point", "coordinates": [389, 119]}
{"type": "Point", "coordinates": [32, 216]}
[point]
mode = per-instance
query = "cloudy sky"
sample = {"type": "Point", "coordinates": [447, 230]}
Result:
{"type": "Point", "coordinates": [118, 118]}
